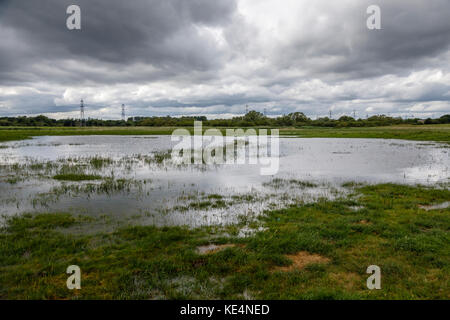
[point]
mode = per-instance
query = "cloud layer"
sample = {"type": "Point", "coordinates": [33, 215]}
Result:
{"type": "Point", "coordinates": [212, 58]}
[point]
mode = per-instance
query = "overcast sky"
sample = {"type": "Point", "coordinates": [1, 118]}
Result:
{"type": "Point", "coordinates": [212, 58]}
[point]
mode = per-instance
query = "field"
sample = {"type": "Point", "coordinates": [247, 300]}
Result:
{"type": "Point", "coordinates": [306, 250]}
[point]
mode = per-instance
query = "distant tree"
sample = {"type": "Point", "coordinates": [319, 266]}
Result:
{"type": "Point", "coordinates": [445, 119]}
{"type": "Point", "coordinates": [346, 118]}
{"type": "Point", "coordinates": [298, 117]}
{"type": "Point", "coordinates": [253, 116]}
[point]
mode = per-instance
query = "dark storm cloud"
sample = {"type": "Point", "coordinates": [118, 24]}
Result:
{"type": "Point", "coordinates": [342, 47]}
{"type": "Point", "coordinates": [114, 33]}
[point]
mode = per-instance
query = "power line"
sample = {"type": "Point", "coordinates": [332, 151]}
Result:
{"type": "Point", "coordinates": [82, 120]}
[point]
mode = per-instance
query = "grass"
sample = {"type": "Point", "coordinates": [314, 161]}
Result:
{"type": "Point", "coordinates": [278, 182]}
{"type": "Point", "coordinates": [76, 177]}
{"type": "Point", "coordinates": [440, 133]}
{"type": "Point", "coordinates": [411, 246]}
{"type": "Point", "coordinates": [107, 186]}
{"type": "Point", "coordinates": [100, 162]}
{"type": "Point", "coordinates": [407, 132]}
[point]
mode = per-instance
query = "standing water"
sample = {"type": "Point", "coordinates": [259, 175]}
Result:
{"type": "Point", "coordinates": [134, 176]}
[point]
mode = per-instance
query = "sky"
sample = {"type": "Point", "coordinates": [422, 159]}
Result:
{"type": "Point", "coordinates": [212, 58]}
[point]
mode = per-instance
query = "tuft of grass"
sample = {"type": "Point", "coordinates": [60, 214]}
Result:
{"type": "Point", "coordinates": [352, 184]}
{"type": "Point", "coordinates": [99, 162]}
{"type": "Point", "coordinates": [278, 182]}
{"type": "Point", "coordinates": [76, 177]}
{"type": "Point", "coordinates": [13, 180]}
{"type": "Point", "coordinates": [160, 157]}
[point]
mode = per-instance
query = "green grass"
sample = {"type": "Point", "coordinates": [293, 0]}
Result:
{"type": "Point", "coordinates": [411, 246]}
{"type": "Point", "coordinates": [76, 177]}
{"type": "Point", "coordinates": [407, 132]}
{"type": "Point", "coordinates": [100, 162]}
{"type": "Point", "coordinates": [439, 133]}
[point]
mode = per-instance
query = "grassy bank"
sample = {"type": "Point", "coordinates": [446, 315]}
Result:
{"type": "Point", "coordinates": [419, 133]}
{"type": "Point", "coordinates": [407, 132]}
{"type": "Point", "coordinates": [313, 251]}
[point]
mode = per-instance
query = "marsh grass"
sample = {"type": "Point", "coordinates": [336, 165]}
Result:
{"type": "Point", "coordinates": [100, 162]}
{"type": "Point", "coordinates": [278, 182]}
{"type": "Point", "coordinates": [410, 244]}
{"type": "Point", "coordinates": [352, 184]}
{"type": "Point", "coordinates": [205, 202]}
{"type": "Point", "coordinates": [76, 177]}
{"type": "Point", "coordinates": [107, 186]}
{"type": "Point", "coordinates": [13, 180]}
{"type": "Point", "coordinates": [161, 157]}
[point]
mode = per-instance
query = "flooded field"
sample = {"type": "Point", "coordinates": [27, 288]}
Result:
{"type": "Point", "coordinates": [133, 178]}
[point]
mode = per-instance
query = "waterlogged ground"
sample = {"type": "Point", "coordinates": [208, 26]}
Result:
{"type": "Point", "coordinates": [142, 227]}
{"type": "Point", "coordinates": [132, 178]}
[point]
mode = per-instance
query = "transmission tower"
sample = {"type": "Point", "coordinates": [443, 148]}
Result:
{"type": "Point", "coordinates": [123, 112]}
{"type": "Point", "coordinates": [82, 120]}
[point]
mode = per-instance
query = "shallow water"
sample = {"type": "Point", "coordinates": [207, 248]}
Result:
{"type": "Point", "coordinates": [164, 194]}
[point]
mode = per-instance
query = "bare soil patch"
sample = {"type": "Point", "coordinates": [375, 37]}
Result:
{"type": "Point", "coordinates": [302, 259]}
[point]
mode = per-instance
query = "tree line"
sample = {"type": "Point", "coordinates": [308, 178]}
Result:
{"type": "Point", "coordinates": [251, 119]}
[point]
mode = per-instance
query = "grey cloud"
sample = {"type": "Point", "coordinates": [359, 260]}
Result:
{"type": "Point", "coordinates": [173, 46]}
{"type": "Point", "coordinates": [343, 48]}
{"type": "Point", "coordinates": [159, 33]}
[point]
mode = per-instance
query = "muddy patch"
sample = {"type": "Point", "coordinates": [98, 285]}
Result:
{"type": "Point", "coordinates": [347, 280]}
{"type": "Point", "coordinates": [301, 259]}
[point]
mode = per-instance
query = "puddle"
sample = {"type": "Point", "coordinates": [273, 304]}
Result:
{"type": "Point", "coordinates": [213, 248]}
{"type": "Point", "coordinates": [443, 205]}
{"type": "Point", "coordinates": [356, 208]}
